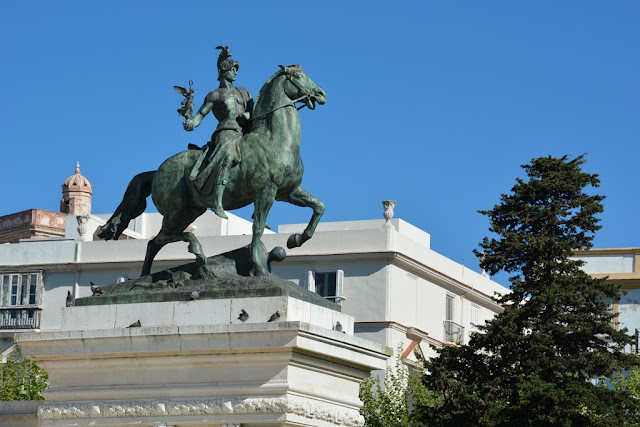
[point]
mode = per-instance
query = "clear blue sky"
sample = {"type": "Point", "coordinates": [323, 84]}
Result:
{"type": "Point", "coordinates": [432, 104]}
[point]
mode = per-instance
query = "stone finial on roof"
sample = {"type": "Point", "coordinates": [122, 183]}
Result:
{"type": "Point", "coordinates": [388, 209]}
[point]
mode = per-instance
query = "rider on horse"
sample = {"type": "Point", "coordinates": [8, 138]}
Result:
{"type": "Point", "coordinates": [232, 107]}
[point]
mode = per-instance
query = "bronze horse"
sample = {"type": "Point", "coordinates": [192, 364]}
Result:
{"type": "Point", "coordinates": [271, 169]}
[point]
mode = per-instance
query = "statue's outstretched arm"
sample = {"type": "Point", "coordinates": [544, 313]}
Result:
{"type": "Point", "coordinates": [195, 121]}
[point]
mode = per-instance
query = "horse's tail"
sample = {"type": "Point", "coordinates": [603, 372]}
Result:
{"type": "Point", "coordinates": [133, 205]}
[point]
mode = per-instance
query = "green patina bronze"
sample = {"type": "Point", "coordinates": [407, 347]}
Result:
{"type": "Point", "coordinates": [253, 157]}
{"type": "Point", "coordinates": [232, 106]}
{"type": "Point", "coordinates": [231, 270]}
{"type": "Point", "coordinates": [230, 288]}
{"type": "Point", "coordinates": [177, 284]}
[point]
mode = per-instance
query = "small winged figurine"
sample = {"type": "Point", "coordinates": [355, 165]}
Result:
{"type": "Point", "coordinates": [186, 110]}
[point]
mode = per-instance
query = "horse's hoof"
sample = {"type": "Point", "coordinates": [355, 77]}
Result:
{"type": "Point", "coordinates": [294, 241]}
{"type": "Point", "coordinates": [257, 272]}
{"type": "Point", "coordinates": [220, 212]}
{"type": "Point", "coordinates": [107, 232]}
{"type": "Point", "coordinates": [204, 272]}
{"type": "Point", "coordinates": [277, 254]}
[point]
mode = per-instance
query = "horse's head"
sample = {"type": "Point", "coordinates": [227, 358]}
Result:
{"type": "Point", "coordinates": [299, 87]}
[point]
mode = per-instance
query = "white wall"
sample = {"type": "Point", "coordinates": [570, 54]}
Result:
{"type": "Point", "coordinates": [603, 264]}
{"type": "Point", "coordinates": [390, 274]}
{"type": "Point", "coordinates": [629, 309]}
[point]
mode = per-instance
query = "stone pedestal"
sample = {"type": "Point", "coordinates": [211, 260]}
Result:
{"type": "Point", "coordinates": [288, 372]}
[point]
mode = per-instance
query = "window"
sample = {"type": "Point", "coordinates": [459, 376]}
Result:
{"type": "Point", "coordinates": [453, 332]}
{"type": "Point", "coordinates": [448, 314]}
{"type": "Point", "coordinates": [20, 302]}
{"type": "Point", "coordinates": [328, 284]}
{"type": "Point", "coordinates": [20, 289]}
{"type": "Point", "coordinates": [475, 314]}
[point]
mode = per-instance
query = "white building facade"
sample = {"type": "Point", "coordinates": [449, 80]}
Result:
{"type": "Point", "coordinates": [383, 273]}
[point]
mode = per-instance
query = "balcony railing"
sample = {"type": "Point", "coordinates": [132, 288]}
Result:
{"type": "Point", "coordinates": [453, 332]}
{"type": "Point", "coordinates": [20, 318]}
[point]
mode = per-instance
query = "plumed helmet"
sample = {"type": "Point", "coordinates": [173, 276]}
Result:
{"type": "Point", "coordinates": [225, 63]}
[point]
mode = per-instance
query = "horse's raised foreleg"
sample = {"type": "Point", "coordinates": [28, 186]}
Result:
{"type": "Point", "coordinates": [301, 197]}
{"type": "Point", "coordinates": [262, 206]}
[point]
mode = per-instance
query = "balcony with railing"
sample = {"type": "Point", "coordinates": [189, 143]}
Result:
{"type": "Point", "coordinates": [20, 317]}
{"type": "Point", "coordinates": [453, 332]}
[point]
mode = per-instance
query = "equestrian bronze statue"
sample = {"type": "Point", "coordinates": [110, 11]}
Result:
{"type": "Point", "coordinates": [252, 158]}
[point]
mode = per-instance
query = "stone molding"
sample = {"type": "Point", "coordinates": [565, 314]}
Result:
{"type": "Point", "coordinates": [289, 373]}
{"type": "Point", "coordinates": [31, 224]}
{"type": "Point", "coordinates": [196, 407]}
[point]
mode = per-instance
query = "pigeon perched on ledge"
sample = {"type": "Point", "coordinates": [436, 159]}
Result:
{"type": "Point", "coordinates": [195, 295]}
{"type": "Point", "coordinates": [135, 324]}
{"type": "Point", "coordinates": [243, 315]}
{"type": "Point", "coordinates": [95, 290]}
{"type": "Point", "coordinates": [70, 299]}
{"type": "Point", "coordinates": [274, 316]}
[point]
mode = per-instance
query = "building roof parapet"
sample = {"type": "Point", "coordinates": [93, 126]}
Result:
{"type": "Point", "coordinates": [607, 251]}
{"type": "Point", "coordinates": [31, 224]}
{"type": "Point", "coordinates": [37, 253]}
{"type": "Point", "coordinates": [386, 240]}
{"type": "Point", "coordinates": [425, 263]}
{"type": "Point", "coordinates": [400, 226]}
{"type": "Point", "coordinates": [615, 263]}
{"type": "Point", "coordinates": [41, 217]}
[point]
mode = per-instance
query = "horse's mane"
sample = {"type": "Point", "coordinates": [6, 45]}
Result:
{"type": "Point", "coordinates": [257, 106]}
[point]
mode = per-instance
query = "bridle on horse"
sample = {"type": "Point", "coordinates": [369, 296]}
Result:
{"type": "Point", "coordinates": [290, 103]}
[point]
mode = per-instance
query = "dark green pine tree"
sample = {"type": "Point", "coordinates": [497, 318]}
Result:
{"type": "Point", "coordinates": [534, 364]}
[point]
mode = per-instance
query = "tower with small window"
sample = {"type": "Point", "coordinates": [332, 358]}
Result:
{"type": "Point", "coordinates": [76, 194]}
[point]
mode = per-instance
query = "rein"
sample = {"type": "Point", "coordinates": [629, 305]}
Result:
{"type": "Point", "coordinates": [288, 104]}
